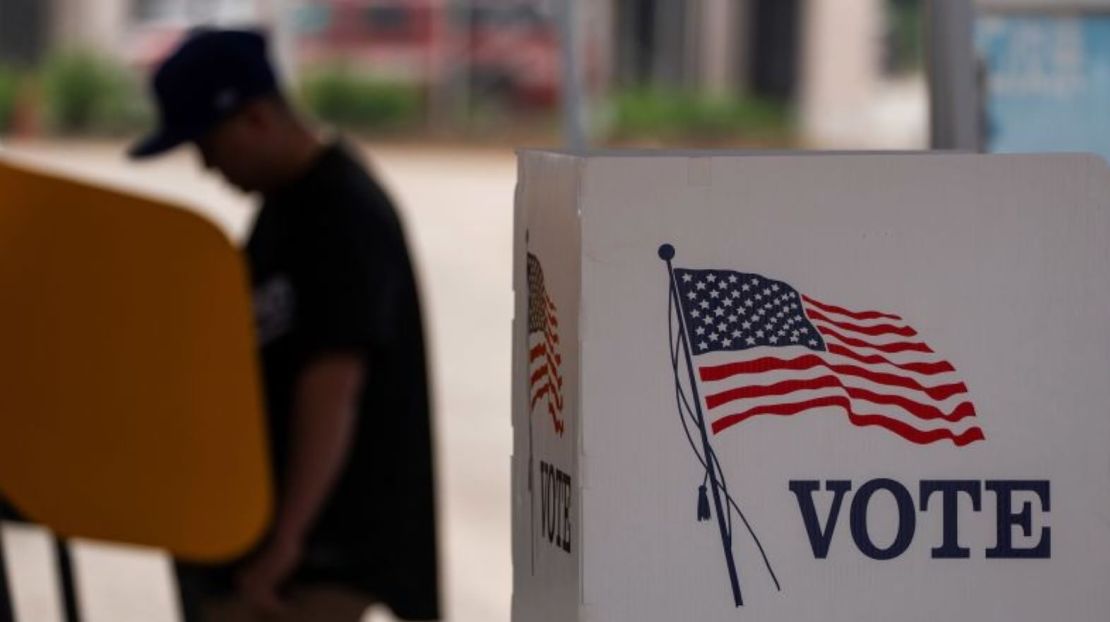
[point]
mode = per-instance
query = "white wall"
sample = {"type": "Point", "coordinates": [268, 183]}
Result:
{"type": "Point", "coordinates": [845, 100]}
{"type": "Point", "coordinates": [93, 25]}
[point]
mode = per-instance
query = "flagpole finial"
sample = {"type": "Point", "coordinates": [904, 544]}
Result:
{"type": "Point", "coordinates": [666, 252]}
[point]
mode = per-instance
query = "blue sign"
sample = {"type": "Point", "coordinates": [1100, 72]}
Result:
{"type": "Point", "coordinates": [1047, 82]}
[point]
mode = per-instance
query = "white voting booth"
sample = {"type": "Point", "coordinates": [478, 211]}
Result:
{"type": "Point", "coordinates": [811, 387]}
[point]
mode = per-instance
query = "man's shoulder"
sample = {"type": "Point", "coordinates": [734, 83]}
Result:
{"type": "Point", "coordinates": [347, 195]}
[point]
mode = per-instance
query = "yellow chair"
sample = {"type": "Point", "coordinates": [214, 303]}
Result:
{"type": "Point", "coordinates": [130, 402]}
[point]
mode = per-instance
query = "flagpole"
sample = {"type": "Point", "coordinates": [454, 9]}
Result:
{"type": "Point", "coordinates": [666, 253]}
{"type": "Point", "coordinates": [528, 410]}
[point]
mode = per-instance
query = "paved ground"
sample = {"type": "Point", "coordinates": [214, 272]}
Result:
{"type": "Point", "coordinates": [458, 209]}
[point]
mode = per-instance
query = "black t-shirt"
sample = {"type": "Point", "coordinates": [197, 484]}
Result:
{"type": "Point", "coordinates": [331, 273]}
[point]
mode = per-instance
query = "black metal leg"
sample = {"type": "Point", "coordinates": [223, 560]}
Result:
{"type": "Point", "coordinates": [190, 590]}
{"type": "Point", "coordinates": [69, 588]}
{"type": "Point", "coordinates": [7, 610]}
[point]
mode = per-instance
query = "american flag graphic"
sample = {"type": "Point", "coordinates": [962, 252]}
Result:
{"type": "Point", "coordinates": [759, 347]}
{"type": "Point", "coordinates": [546, 381]}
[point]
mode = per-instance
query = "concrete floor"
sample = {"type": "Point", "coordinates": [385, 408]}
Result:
{"type": "Point", "coordinates": [457, 205]}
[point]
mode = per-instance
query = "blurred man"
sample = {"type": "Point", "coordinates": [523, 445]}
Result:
{"type": "Point", "coordinates": [339, 329]}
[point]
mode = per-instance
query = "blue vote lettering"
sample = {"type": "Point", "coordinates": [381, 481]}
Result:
{"type": "Point", "coordinates": [820, 530]}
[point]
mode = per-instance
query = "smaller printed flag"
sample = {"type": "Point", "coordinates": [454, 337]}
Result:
{"type": "Point", "coordinates": [545, 379]}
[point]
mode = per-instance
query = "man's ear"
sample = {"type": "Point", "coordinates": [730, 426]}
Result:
{"type": "Point", "coordinates": [258, 114]}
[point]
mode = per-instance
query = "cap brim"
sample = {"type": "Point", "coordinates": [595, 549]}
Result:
{"type": "Point", "coordinates": [157, 143]}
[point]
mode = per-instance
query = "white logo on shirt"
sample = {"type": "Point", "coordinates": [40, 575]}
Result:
{"type": "Point", "coordinates": [274, 308]}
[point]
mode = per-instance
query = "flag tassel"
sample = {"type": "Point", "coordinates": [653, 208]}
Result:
{"type": "Point", "coordinates": [703, 504]}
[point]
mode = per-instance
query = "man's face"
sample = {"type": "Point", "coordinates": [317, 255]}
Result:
{"type": "Point", "coordinates": [237, 149]}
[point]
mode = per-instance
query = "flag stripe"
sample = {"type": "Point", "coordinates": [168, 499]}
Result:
{"type": "Point", "coordinates": [539, 373]}
{"type": "Point", "coordinates": [898, 427]}
{"type": "Point", "coordinates": [778, 377]}
{"type": "Point", "coordinates": [721, 372]}
{"type": "Point", "coordinates": [871, 330]}
{"type": "Point", "coordinates": [551, 378]}
{"type": "Point", "coordinates": [918, 409]}
{"type": "Point", "coordinates": [926, 368]}
{"type": "Point", "coordinates": [556, 420]}
{"type": "Point", "coordinates": [539, 350]}
{"type": "Point", "coordinates": [539, 393]}
{"type": "Point", "coordinates": [856, 315]}
{"type": "Point", "coordinates": [889, 348]}
{"type": "Point", "coordinates": [859, 404]}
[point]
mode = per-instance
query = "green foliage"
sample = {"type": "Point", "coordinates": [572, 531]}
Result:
{"type": "Point", "coordinates": [87, 94]}
{"type": "Point", "coordinates": [359, 102]}
{"type": "Point", "coordinates": [668, 115]}
{"type": "Point", "coordinates": [9, 92]}
{"type": "Point", "coordinates": [905, 35]}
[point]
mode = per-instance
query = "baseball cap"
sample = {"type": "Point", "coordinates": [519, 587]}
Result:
{"type": "Point", "coordinates": [208, 78]}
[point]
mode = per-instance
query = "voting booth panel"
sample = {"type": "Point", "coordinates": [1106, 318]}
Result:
{"type": "Point", "coordinates": [131, 402]}
{"type": "Point", "coordinates": [836, 387]}
{"type": "Point", "coordinates": [546, 359]}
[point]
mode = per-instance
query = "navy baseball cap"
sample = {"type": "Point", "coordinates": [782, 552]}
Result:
{"type": "Point", "coordinates": [208, 78]}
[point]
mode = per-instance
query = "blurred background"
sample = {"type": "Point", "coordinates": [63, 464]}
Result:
{"type": "Point", "coordinates": [438, 94]}
{"type": "Point", "coordinates": [736, 73]}
{"type": "Point", "coordinates": [642, 73]}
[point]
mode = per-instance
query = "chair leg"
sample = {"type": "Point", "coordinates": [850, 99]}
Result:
{"type": "Point", "coordinates": [7, 609]}
{"type": "Point", "coordinates": [69, 587]}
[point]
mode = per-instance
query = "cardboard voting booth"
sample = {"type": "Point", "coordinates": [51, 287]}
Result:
{"type": "Point", "coordinates": [130, 402]}
{"type": "Point", "coordinates": [811, 387]}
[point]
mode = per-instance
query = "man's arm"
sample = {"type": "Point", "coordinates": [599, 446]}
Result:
{"type": "Point", "coordinates": [322, 426]}
{"type": "Point", "coordinates": [325, 407]}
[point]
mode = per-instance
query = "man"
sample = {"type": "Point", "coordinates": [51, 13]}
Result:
{"type": "Point", "coordinates": [341, 344]}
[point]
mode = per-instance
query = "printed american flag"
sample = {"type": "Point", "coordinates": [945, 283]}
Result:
{"type": "Point", "coordinates": [546, 381]}
{"type": "Point", "coordinates": [759, 347]}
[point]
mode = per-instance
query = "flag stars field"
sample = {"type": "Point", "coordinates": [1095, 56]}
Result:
{"type": "Point", "coordinates": [721, 301]}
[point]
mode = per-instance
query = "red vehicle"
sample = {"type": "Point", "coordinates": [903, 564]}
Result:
{"type": "Point", "coordinates": [514, 51]}
{"type": "Point", "coordinates": [506, 49]}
